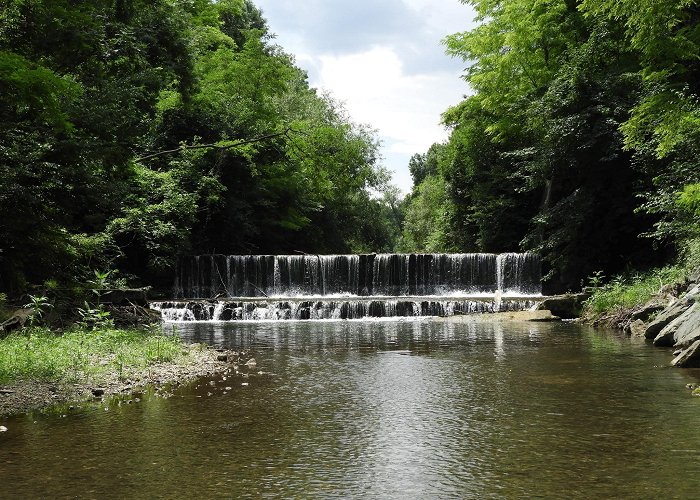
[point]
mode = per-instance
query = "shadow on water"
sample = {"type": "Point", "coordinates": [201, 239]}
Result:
{"type": "Point", "coordinates": [417, 409]}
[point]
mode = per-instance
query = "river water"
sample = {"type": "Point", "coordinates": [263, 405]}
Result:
{"type": "Point", "coordinates": [362, 409]}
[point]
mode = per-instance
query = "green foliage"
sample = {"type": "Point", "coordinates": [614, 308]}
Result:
{"type": "Point", "coordinates": [36, 307]}
{"type": "Point", "coordinates": [4, 313]}
{"type": "Point", "coordinates": [135, 132]}
{"type": "Point", "coordinates": [690, 255]}
{"type": "Point", "coordinates": [628, 291]}
{"type": "Point", "coordinates": [689, 200]}
{"type": "Point", "coordinates": [75, 355]}
{"type": "Point", "coordinates": [581, 134]}
{"type": "Point", "coordinates": [94, 317]}
{"type": "Point", "coordinates": [426, 219]}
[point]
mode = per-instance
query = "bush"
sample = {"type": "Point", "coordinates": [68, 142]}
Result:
{"type": "Point", "coordinates": [630, 291]}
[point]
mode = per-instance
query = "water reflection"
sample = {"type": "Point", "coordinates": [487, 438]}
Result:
{"type": "Point", "coordinates": [418, 409]}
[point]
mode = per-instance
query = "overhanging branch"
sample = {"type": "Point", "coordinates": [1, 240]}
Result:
{"type": "Point", "coordinates": [220, 147]}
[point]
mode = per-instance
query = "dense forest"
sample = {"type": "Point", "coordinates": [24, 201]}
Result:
{"type": "Point", "coordinates": [136, 131]}
{"type": "Point", "coordinates": [133, 132]}
{"type": "Point", "coordinates": [580, 140]}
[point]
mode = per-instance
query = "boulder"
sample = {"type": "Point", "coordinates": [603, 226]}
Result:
{"type": "Point", "coordinates": [689, 329]}
{"type": "Point", "coordinates": [667, 336]}
{"type": "Point", "coordinates": [693, 291]}
{"type": "Point", "coordinates": [637, 328]}
{"type": "Point", "coordinates": [695, 276]}
{"type": "Point", "coordinates": [645, 312]}
{"type": "Point", "coordinates": [668, 315]}
{"type": "Point", "coordinates": [565, 306]}
{"type": "Point", "coordinates": [689, 358]}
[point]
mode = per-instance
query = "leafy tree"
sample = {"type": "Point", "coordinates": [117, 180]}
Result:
{"type": "Point", "coordinates": [561, 137]}
{"type": "Point", "coordinates": [134, 132]}
{"type": "Point", "coordinates": [426, 221]}
{"type": "Point", "coordinates": [662, 130]}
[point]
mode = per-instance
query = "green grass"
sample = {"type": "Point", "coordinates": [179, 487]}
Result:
{"type": "Point", "coordinates": [82, 355]}
{"type": "Point", "coordinates": [625, 292]}
{"type": "Point", "coordinates": [630, 291]}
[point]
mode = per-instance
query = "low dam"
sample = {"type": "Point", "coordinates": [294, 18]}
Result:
{"type": "Point", "coordinates": [279, 287]}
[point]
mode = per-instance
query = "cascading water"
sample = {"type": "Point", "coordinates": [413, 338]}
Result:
{"type": "Point", "coordinates": [269, 287]}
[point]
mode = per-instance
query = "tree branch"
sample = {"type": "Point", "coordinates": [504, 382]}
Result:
{"type": "Point", "coordinates": [215, 146]}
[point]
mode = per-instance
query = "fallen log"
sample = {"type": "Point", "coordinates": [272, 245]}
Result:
{"type": "Point", "coordinates": [16, 321]}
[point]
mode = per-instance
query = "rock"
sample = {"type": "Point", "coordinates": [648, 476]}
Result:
{"type": "Point", "coordinates": [3, 428]}
{"type": "Point", "coordinates": [672, 290]}
{"type": "Point", "coordinates": [251, 363]}
{"type": "Point", "coordinates": [643, 313]}
{"type": "Point", "coordinates": [222, 357]}
{"type": "Point", "coordinates": [98, 392]}
{"type": "Point", "coordinates": [689, 329]}
{"type": "Point", "coordinates": [666, 337]}
{"type": "Point", "coordinates": [689, 358]}
{"type": "Point", "coordinates": [565, 306]}
{"type": "Point", "coordinates": [637, 328]}
{"type": "Point", "coordinates": [541, 316]}
{"type": "Point", "coordinates": [695, 277]}
{"type": "Point", "coordinates": [667, 316]}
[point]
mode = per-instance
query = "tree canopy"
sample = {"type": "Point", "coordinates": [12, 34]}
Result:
{"type": "Point", "coordinates": [133, 132]}
{"type": "Point", "coordinates": [581, 134]}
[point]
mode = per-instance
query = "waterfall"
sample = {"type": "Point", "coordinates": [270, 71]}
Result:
{"type": "Point", "coordinates": [209, 276]}
{"type": "Point", "coordinates": [253, 287]}
{"type": "Point", "coordinates": [223, 310]}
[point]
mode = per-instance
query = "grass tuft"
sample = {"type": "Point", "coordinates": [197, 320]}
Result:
{"type": "Point", "coordinates": [630, 291]}
{"type": "Point", "coordinates": [82, 355]}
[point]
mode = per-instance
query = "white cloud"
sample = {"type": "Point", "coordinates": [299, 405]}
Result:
{"type": "Point", "coordinates": [383, 60]}
{"type": "Point", "coordinates": [404, 108]}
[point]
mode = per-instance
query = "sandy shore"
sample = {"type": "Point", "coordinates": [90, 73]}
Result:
{"type": "Point", "coordinates": [503, 317]}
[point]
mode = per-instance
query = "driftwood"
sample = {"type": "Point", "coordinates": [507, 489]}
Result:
{"type": "Point", "coordinates": [125, 296]}
{"type": "Point", "coordinates": [132, 315]}
{"type": "Point", "coordinates": [16, 321]}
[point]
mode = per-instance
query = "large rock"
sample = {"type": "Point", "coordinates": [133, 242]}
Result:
{"type": "Point", "coordinates": [645, 312]}
{"type": "Point", "coordinates": [689, 358]}
{"type": "Point", "coordinates": [637, 328]}
{"type": "Point", "coordinates": [695, 276]}
{"type": "Point", "coordinates": [565, 306]}
{"type": "Point", "coordinates": [668, 315]}
{"type": "Point", "coordinates": [689, 329]}
{"type": "Point", "coordinates": [667, 336]}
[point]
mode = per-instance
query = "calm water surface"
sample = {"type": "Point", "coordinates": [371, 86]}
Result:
{"type": "Point", "coordinates": [420, 409]}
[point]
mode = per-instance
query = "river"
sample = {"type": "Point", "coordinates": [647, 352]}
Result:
{"type": "Point", "coordinates": [383, 409]}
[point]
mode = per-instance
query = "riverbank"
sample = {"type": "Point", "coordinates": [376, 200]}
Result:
{"type": "Point", "coordinates": [45, 369]}
{"type": "Point", "coordinates": [668, 316]}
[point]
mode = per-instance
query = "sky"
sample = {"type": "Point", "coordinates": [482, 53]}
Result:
{"type": "Point", "coordinates": [383, 59]}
